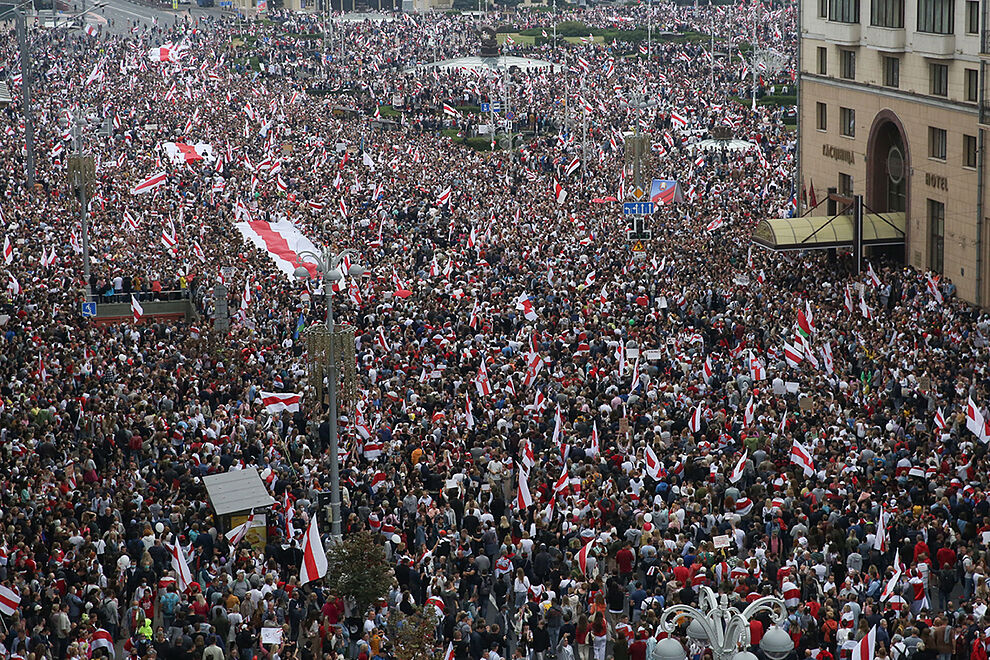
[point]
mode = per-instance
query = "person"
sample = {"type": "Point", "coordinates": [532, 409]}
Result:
{"type": "Point", "coordinates": [599, 635]}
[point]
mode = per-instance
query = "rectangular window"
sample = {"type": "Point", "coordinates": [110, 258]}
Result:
{"type": "Point", "coordinates": [847, 122]}
{"type": "Point", "coordinates": [969, 151]}
{"type": "Point", "coordinates": [887, 13]}
{"type": "Point", "coordinates": [843, 11]}
{"type": "Point", "coordinates": [935, 16]}
{"type": "Point", "coordinates": [936, 143]}
{"type": "Point", "coordinates": [891, 72]}
{"type": "Point", "coordinates": [847, 64]}
{"type": "Point", "coordinates": [845, 184]}
{"type": "Point", "coordinates": [936, 235]}
{"type": "Point", "coordinates": [822, 61]}
{"type": "Point", "coordinates": [972, 85]}
{"type": "Point", "coordinates": [939, 75]}
{"type": "Point", "coordinates": [821, 115]}
{"type": "Point", "coordinates": [972, 18]}
{"type": "Point", "coordinates": [822, 8]}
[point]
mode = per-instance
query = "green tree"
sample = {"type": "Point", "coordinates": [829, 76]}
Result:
{"type": "Point", "coordinates": [413, 637]}
{"type": "Point", "coordinates": [357, 568]}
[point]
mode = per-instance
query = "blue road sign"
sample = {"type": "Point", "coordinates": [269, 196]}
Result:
{"type": "Point", "coordinates": [88, 310]}
{"type": "Point", "coordinates": [637, 208]}
{"type": "Point", "coordinates": [486, 107]}
{"type": "Point", "coordinates": [510, 115]}
{"type": "Point", "coordinates": [497, 106]}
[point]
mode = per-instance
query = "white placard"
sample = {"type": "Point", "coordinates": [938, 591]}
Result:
{"type": "Point", "coordinates": [653, 354]}
{"type": "Point", "coordinates": [632, 353]}
{"type": "Point", "coordinates": [271, 635]}
{"type": "Point", "coordinates": [720, 541]}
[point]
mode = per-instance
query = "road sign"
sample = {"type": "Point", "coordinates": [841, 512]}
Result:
{"type": "Point", "coordinates": [510, 115]}
{"type": "Point", "coordinates": [497, 106]}
{"type": "Point", "coordinates": [638, 246]}
{"type": "Point", "coordinates": [637, 193]}
{"type": "Point", "coordinates": [89, 310]}
{"type": "Point", "coordinates": [637, 208]}
{"type": "Point", "coordinates": [486, 107]}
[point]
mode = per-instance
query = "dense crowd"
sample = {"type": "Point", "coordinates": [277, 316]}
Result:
{"type": "Point", "coordinates": [553, 439]}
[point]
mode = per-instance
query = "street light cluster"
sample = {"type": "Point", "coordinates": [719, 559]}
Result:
{"type": "Point", "coordinates": [724, 629]}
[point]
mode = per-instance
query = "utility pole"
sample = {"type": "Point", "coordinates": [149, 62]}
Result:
{"type": "Point", "coordinates": [555, 25]}
{"type": "Point", "coordinates": [649, 30]}
{"type": "Point", "coordinates": [82, 172]}
{"type": "Point", "coordinates": [26, 95]}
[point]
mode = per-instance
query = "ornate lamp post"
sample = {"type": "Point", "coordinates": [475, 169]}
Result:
{"type": "Point", "coordinates": [724, 629]}
{"type": "Point", "coordinates": [331, 348]}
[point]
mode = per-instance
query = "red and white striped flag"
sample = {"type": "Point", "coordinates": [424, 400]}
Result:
{"type": "Point", "coordinates": [801, 456]}
{"type": "Point", "coordinates": [276, 402]}
{"type": "Point", "coordinates": [523, 498]}
{"type": "Point", "coordinates": [583, 556]}
{"type": "Point", "coordinates": [737, 472]}
{"type": "Point", "coordinates": [10, 600]}
{"type": "Point", "coordinates": [314, 563]}
{"type": "Point", "coordinates": [102, 639]}
{"type": "Point", "coordinates": [940, 420]}
{"type": "Point", "coordinates": [694, 424]}
{"type": "Point", "coordinates": [136, 310]}
{"type": "Point", "coordinates": [482, 382]}
{"type": "Point", "coordinates": [444, 197]}
{"type": "Point", "coordinates": [180, 566]}
{"type": "Point", "coordinates": [155, 180]}
{"type": "Point", "coordinates": [866, 648]}
{"type": "Point", "coordinates": [235, 535]}
{"type": "Point", "coordinates": [559, 193]}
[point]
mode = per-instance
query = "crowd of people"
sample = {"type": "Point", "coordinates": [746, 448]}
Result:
{"type": "Point", "coordinates": [553, 439]}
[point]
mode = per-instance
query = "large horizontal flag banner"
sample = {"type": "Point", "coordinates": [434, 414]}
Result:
{"type": "Point", "coordinates": [665, 191]}
{"type": "Point", "coordinates": [282, 241]}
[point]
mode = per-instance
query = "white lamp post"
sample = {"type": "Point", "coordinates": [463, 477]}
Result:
{"type": "Point", "coordinates": [724, 629]}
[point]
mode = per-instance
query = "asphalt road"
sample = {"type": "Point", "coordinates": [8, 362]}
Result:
{"type": "Point", "coordinates": [118, 16]}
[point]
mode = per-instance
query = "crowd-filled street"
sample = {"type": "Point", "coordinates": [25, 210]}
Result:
{"type": "Point", "coordinates": [552, 437]}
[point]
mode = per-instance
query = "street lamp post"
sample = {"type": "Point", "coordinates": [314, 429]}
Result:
{"type": "Point", "coordinates": [330, 266]}
{"type": "Point", "coordinates": [723, 628]}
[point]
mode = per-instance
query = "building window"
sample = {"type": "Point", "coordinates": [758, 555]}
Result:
{"type": "Point", "coordinates": [822, 8]}
{"type": "Point", "coordinates": [822, 61]}
{"type": "Point", "coordinates": [847, 122]}
{"type": "Point", "coordinates": [843, 11]}
{"type": "Point", "coordinates": [939, 79]}
{"type": "Point", "coordinates": [821, 116]}
{"type": "Point", "coordinates": [887, 13]}
{"type": "Point", "coordinates": [972, 18]}
{"type": "Point", "coordinates": [936, 143]}
{"type": "Point", "coordinates": [847, 64]}
{"type": "Point", "coordinates": [935, 16]}
{"type": "Point", "coordinates": [936, 235]}
{"type": "Point", "coordinates": [891, 72]}
{"type": "Point", "coordinates": [972, 85]}
{"type": "Point", "coordinates": [845, 185]}
{"type": "Point", "coordinates": [969, 151]}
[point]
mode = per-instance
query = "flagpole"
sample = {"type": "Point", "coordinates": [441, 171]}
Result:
{"type": "Point", "coordinates": [81, 181]}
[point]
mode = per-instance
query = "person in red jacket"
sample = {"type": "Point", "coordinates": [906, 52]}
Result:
{"type": "Point", "coordinates": [625, 560]}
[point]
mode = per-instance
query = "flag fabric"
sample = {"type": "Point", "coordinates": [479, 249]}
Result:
{"type": "Point", "coordinates": [314, 563]}
{"type": "Point", "coordinates": [276, 402]}
{"type": "Point", "coordinates": [147, 185]}
{"type": "Point", "coordinates": [482, 382]}
{"type": "Point", "coordinates": [803, 325]}
{"type": "Point", "coordinates": [102, 639]}
{"type": "Point", "coordinates": [866, 647]}
{"type": "Point", "coordinates": [594, 449]}
{"type": "Point", "coordinates": [10, 600]}
{"type": "Point", "coordinates": [235, 535]}
{"type": "Point", "coordinates": [180, 566]}
{"type": "Point", "coordinates": [975, 421]}
{"type": "Point", "coordinates": [750, 412]}
{"type": "Point", "coordinates": [523, 498]}
{"type": "Point", "coordinates": [880, 538]}
{"type": "Point", "coordinates": [652, 463]}
{"type": "Point", "coordinates": [559, 193]}
{"type": "Point", "coordinates": [932, 284]}
{"type": "Point", "coordinates": [694, 424]}
{"type": "Point", "coordinates": [136, 309]}
{"type": "Point", "coordinates": [793, 354]}
{"type": "Point", "coordinates": [874, 278]}
{"type": "Point", "coordinates": [583, 556]}
{"type": "Point", "coordinates": [737, 472]}
{"type": "Point", "coordinates": [8, 251]}
{"type": "Point", "coordinates": [940, 420]}
{"type": "Point", "coordinates": [802, 457]}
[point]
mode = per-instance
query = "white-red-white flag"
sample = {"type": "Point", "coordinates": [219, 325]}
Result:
{"type": "Point", "coordinates": [866, 648]}
{"type": "Point", "coordinates": [652, 463]}
{"type": "Point", "coordinates": [136, 309]}
{"type": "Point", "coordinates": [10, 600]}
{"type": "Point", "coordinates": [235, 535]}
{"type": "Point", "coordinates": [147, 185]}
{"type": "Point", "coordinates": [523, 498]}
{"type": "Point", "coordinates": [314, 563]}
{"type": "Point", "coordinates": [583, 556]}
{"type": "Point", "coordinates": [802, 457]}
{"type": "Point", "coordinates": [276, 402]}
{"type": "Point", "coordinates": [737, 472]}
{"type": "Point", "coordinates": [183, 575]}
{"type": "Point", "coordinates": [694, 424]}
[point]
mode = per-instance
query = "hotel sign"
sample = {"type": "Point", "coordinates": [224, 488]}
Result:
{"type": "Point", "coordinates": [838, 153]}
